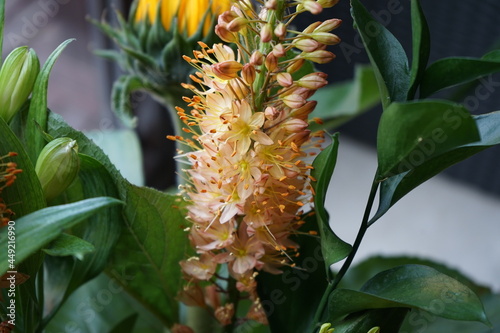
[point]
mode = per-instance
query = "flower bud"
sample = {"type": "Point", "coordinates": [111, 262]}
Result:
{"type": "Point", "coordinates": [57, 166]}
{"type": "Point", "coordinates": [266, 34]}
{"type": "Point", "coordinates": [271, 62]}
{"type": "Point", "coordinates": [17, 77]}
{"type": "Point", "coordinates": [224, 34]}
{"type": "Point", "coordinates": [237, 24]}
{"type": "Point", "coordinates": [306, 44]}
{"type": "Point", "coordinates": [311, 27]}
{"type": "Point", "coordinates": [312, 6]}
{"type": "Point", "coordinates": [313, 81]}
{"type": "Point", "coordinates": [294, 101]}
{"type": "Point", "coordinates": [279, 50]}
{"type": "Point", "coordinates": [227, 70]}
{"type": "Point", "coordinates": [319, 56]}
{"type": "Point", "coordinates": [284, 79]}
{"type": "Point", "coordinates": [328, 3]}
{"type": "Point", "coordinates": [325, 38]}
{"type": "Point", "coordinates": [295, 65]}
{"type": "Point", "coordinates": [280, 31]}
{"type": "Point", "coordinates": [327, 26]}
{"type": "Point", "coordinates": [248, 74]}
{"type": "Point", "coordinates": [257, 58]}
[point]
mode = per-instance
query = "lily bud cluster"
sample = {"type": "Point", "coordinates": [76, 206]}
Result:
{"type": "Point", "coordinates": [250, 148]}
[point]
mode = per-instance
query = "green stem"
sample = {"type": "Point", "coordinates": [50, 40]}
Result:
{"type": "Point", "coordinates": [233, 295]}
{"type": "Point", "coordinates": [347, 263]}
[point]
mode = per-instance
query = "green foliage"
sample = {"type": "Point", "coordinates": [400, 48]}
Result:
{"type": "Point", "coordinates": [333, 248]}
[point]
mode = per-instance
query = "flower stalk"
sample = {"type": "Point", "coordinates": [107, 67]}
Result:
{"type": "Point", "coordinates": [249, 152]}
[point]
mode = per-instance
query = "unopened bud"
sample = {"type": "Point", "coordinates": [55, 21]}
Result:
{"type": "Point", "coordinates": [57, 166]}
{"type": "Point", "coordinates": [325, 38]}
{"type": "Point", "coordinates": [257, 58]}
{"type": "Point", "coordinates": [237, 24]}
{"type": "Point", "coordinates": [328, 25]}
{"type": "Point", "coordinates": [306, 44]}
{"type": "Point", "coordinates": [328, 3]}
{"type": "Point", "coordinates": [226, 17]}
{"type": "Point", "coordinates": [310, 28]}
{"type": "Point", "coordinates": [248, 74]}
{"type": "Point", "coordinates": [227, 70]}
{"type": "Point", "coordinates": [295, 125]}
{"type": "Point", "coordinates": [313, 81]}
{"type": "Point", "coordinates": [304, 111]}
{"type": "Point", "coordinates": [266, 34]}
{"type": "Point", "coordinates": [17, 77]}
{"type": "Point", "coordinates": [294, 101]}
{"type": "Point", "coordinates": [271, 62]}
{"type": "Point", "coordinates": [271, 4]}
{"type": "Point", "coordinates": [325, 328]}
{"type": "Point", "coordinates": [224, 34]}
{"type": "Point", "coordinates": [284, 79]}
{"type": "Point", "coordinates": [279, 50]}
{"type": "Point", "coordinates": [375, 329]}
{"type": "Point", "coordinates": [295, 65]}
{"type": "Point", "coordinates": [319, 56]}
{"type": "Point", "coordinates": [280, 31]}
{"type": "Point", "coordinates": [312, 6]}
{"type": "Point", "coordinates": [271, 113]}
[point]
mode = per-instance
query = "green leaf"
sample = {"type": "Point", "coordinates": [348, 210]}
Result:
{"type": "Point", "coordinates": [411, 133]}
{"type": "Point", "coordinates": [449, 72]}
{"type": "Point", "coordinates": [2, 23]}
{"type": "Point", "coordinates": [421, 46]}
{"type": "Point", "coordinates": [333, 248]}
{"type": "Point", "coordinates": [37, 115]}
{"type": "Point", "coordinates": [69, 245]}
{"type": "Point", "coordinates": [411, 286]}
{"type": "Point", "coordinates": [126, 325]}
{"type": "Point", "coordinates": [386, 54]}
{"type": "Point", "coordinates": [37, 229]}
{"type": "Point", "coordinates": [291, 298]}
{"type": "Point", "coordinates": [120, 98]}
{"type": "Point", "coordinates": [26, 193]}
{"type": "Point", "coordinates": [389, 320]}
{"type": "Point", "coordinates": [396, 187]}
{"type": "Point", "coordinates": [99, 306]}
{"type": "Point", "coordinates": [338, 103]}
{"type": "Point", "coordinates": [150, 248]}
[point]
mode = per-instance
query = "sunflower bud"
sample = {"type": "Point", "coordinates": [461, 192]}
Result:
{"type": "Point", "coordinates": [17, 77]}
{"type": "Point", "coordinates": [57, 166]}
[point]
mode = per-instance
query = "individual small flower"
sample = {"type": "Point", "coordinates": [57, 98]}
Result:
{"type": "Point", "coordinates": [257, 313]}
{"type": "Point", "coordinates": [17, 78]}
{"type": "Point", "coordinates": [201, 268]}
{"type": "Point", "coordinates": [224, 314]}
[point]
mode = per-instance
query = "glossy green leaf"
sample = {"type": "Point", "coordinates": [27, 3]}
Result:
{"type": "Point", "coordinates": [69, 245]}
{"type": "Point", "coordinates": [394, 188]}
{"type": "Point", "coordinates": [421, 46]}
{"type": "Point", "coordinates": [37, 115]}
{"type": "Point", "coordinates": [340, 102]}
{"type": "Point", "coordinates": [333, 248]}
{"type": "Point", "coordinates": [99, 306]}
{"type": "Point", "coordinates": [449, 72]}
{"type": "Point", "coordinates": [149, 249]}
{"type": "Point", "coordinates": [386, 54]}
{"type": "Point", "coordinates": [389, 320]}
{"type": "Point", "coordinates": [37, 229]}
{"type": "Point", "coordinates": [411, 286]}
{"type": "Point", "coordinates": [411, 133]}
{"type": "Point", "coordinates": [291, 298]}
